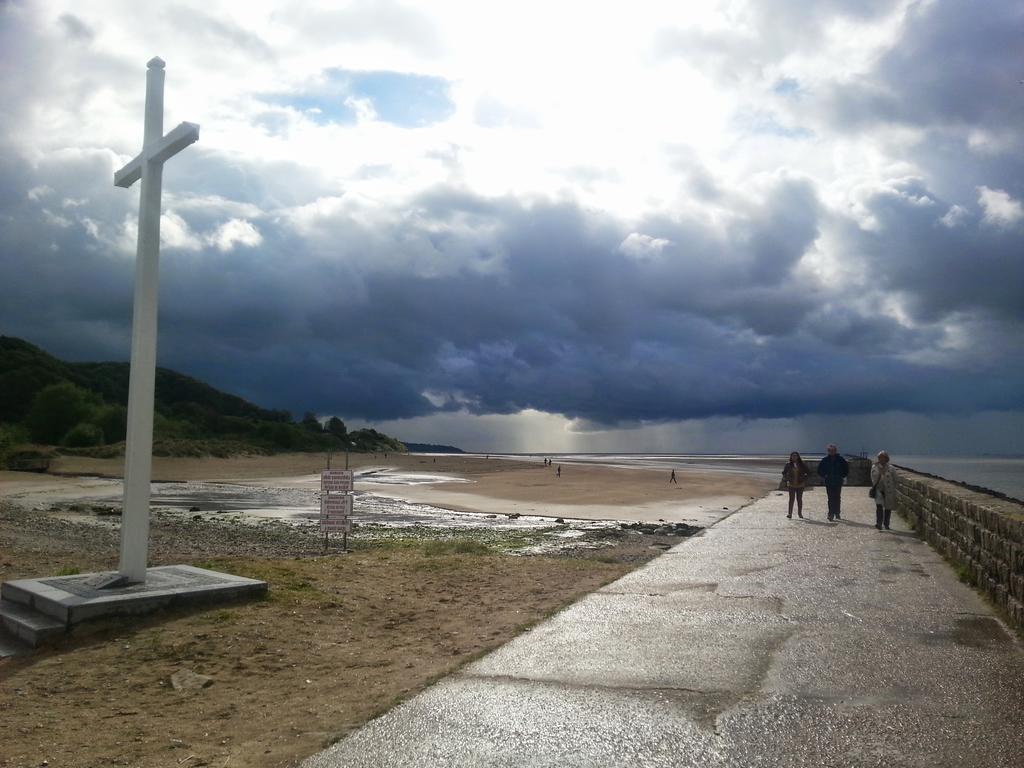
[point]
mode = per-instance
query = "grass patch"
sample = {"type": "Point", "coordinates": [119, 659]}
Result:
{"type": "Point", "coordinates": [287, 580]}
{"type": "Point", "coordinates": [455, 547]}
{"type": "Point", "coordinates": [417, 538]}
{"type": "Point", "coordinates": [69, 571]}
{"type": "Point", "coordinates": [219, 617]}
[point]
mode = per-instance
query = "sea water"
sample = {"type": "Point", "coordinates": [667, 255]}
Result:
{"type": "Point", "coordinates": [997, 473]}
{"type": "Point", "coordinates": [1004, 474]}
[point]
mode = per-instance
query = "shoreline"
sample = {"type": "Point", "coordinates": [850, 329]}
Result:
{"type": "Point", "coordinates": [459, 483]}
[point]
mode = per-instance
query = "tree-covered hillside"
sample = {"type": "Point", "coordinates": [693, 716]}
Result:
{"type": "Point", "coordinates": [83, 406]}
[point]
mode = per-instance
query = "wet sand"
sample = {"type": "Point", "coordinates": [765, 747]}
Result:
{"type": "Point", "coordinates": [461, 483]}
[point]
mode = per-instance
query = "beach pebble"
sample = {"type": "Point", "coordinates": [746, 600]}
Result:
{"type": "Point", "coordinates": [186, 679]}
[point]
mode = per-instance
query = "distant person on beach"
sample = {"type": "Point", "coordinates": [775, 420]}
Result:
{"type": "Point", "coordinates": [559, 472]}
{"type": "Point", "coordinates": [833, 470]}
{"type": "Point", "coordinates": [795, 475]}
{"type": "Point", "coordinates": [883, 483]}
{"type": "Point", "coordinates": [673, 478]}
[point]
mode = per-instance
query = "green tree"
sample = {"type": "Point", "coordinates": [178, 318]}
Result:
{"type": "Point", "coordinates": [113, 421]}
{"type": "Point", "coordinates": [278, 434]}
{"type": "Point", "coordinates": [56, 409]}
{"type": "Point", "coordinates": [311, 423]}
{"type": "Point", "coordinates": [11, 436]}
{"type": "Point", "coordinates": [337, 427]}
{"type": "Point", "coordinates": [83, 435]}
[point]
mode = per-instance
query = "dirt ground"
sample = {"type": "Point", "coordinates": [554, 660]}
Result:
{"type": "Point", "coordinates": [339, 639]}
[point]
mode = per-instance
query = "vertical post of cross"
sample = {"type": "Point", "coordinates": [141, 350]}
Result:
{"type": "Point", "coordinates": [147, 167]}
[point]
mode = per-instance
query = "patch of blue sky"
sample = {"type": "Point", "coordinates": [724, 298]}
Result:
{"type": "Point", "coordinates": [321, 108]}
{"type": "Point", "coordinates": [787, 86]}
{"type": "Point", "coordinates": [761, 123]}
{"type": "Point", "coordinates": [406, 100]}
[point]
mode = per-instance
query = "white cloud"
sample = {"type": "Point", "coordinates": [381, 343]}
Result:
{"type": "Point", "coordinates": [235, 232]}
{"type": "Point", "coordinates": [987, 142]}
{"type": "Point", "coordinates": [91, 228]}
{"type": "Point", "coordinates": [37, 193]}
{"type": "Point", "coordinates": [643, 246]}
{"type": "Point", "coordinates": [212, 204]}
{"type": "Point", "coordinates": [955, 216]}
{"type": "Point", "coordinates": [365, 113]}
{"type": "Point", "coordinates": [56, 219]}
{"type": "Point", "coordinates": [176, 233]}
{"type": "Point", "coordinates": [1000, 209]}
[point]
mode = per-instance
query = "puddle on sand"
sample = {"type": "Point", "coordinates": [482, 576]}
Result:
{"type": "Point", "coordinates": [388, 477]}
{"type": "Point", "coordinates": [296, 501]}
{"type": "Point", "coordinates": [301, 506]}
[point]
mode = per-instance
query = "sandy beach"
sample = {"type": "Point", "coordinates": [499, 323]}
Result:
{"type": "Point", "coordinates": [475, 484]}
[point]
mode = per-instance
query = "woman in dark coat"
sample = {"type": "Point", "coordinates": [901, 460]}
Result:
{"type": "Point", "coordinates": [795, 475]}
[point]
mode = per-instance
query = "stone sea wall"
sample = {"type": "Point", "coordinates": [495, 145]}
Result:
{"type": "Point", "coordinates": [981, 534]}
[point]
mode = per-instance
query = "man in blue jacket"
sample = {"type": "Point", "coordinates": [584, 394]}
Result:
{"type": "Point", "coordinates": [833, 470]}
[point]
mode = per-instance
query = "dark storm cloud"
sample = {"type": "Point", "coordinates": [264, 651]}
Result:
{"type": "Point", "coordinates": [59, 288]}
{"type": "Point", "coordinates": [970, 266]}
{"type": "Point", "coordinates": [956, 63]}
{"type": "Point", "coordinates": [280, 284]}
{"type": "Point", "coordinates": [493, 305]}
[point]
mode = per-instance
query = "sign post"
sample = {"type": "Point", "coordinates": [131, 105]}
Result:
{"type": "Point", "coordinates": [336, 504]}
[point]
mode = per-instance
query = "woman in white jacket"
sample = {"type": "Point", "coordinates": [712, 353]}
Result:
{"type": "Point", "coordinates": [883, 479]}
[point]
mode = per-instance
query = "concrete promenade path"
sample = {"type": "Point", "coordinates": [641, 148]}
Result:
{"type": "Point", "coordinates": [762, 642]}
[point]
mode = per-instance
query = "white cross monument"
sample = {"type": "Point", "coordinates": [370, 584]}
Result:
{"type": "Point", "coordinates": [148, 165]}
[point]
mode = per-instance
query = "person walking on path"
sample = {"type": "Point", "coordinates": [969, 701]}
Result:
{"type": "Point", "coordinates": [795, 475]}
{"type": "Point", "coordinates": [673, 478]}
{"type": "Point", "coordinates": [883, 483]}
{"type": "Point", "coordinates": [833, 470]}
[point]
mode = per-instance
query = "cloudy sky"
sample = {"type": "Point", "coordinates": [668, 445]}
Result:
{"type": "Point", "coordinates": [727, 225]}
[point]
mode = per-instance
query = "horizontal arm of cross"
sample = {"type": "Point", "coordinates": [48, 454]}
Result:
{"type": "Point", "coordinates": [163, 150]}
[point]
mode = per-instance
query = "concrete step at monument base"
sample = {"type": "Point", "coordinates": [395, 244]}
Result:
{"type": "Point", "coordinates": [27, 625]}
{"type": "Point", "coordinates": [27, 594]}
{"type": "Point", "coordinates": [12, 646]}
